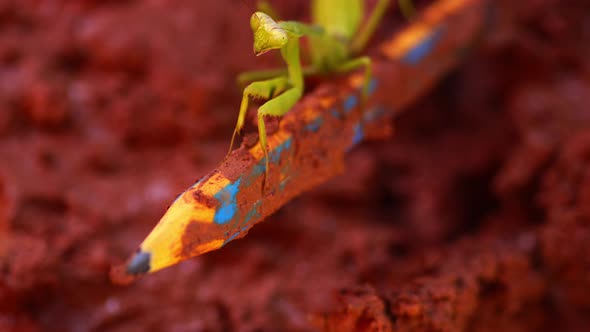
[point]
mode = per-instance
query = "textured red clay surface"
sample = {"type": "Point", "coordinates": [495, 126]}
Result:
{"type": "Point", "coordinates": [474, 217]}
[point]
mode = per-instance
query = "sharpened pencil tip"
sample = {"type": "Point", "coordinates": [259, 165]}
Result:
{"type": "Point", "coordinates": [140, 263]}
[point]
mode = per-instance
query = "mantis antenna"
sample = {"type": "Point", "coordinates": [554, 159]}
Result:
{"type": "Point", "coordinates": [248, 6]}
{"type": "Point", "coordinates": [252, 11]}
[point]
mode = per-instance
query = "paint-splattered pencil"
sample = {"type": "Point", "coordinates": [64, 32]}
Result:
{"type": "Point", "coordinates": [310, 145]}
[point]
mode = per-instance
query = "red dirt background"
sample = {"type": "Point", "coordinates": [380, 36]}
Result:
{"type": "Point", "coordinates": [474, 217]}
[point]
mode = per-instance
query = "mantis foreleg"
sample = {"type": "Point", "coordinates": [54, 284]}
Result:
{"type": "Point", "coordinates": [284, 91]}
{"type": "Point", "coordinates": [275, 107]}
{"type": "Point", "coordinates": [257, 75]}
{"type": "Point", "coordinates": [251, 76]}
{"type": "Point", "coordinates": [261, 90]}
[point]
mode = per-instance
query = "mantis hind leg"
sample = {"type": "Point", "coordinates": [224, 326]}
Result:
{"type": "Point", "coordinates": [364, 61]}
{"type": "Point", "coordinates": [355, 63]}
{"type": "Point", "coordinates": [362, 38]}
{"type": "Point", "coordinates": [407, 8]}
{"type": "Point", "coordinates": [275, 107]}
{"type": "Point", "coordinates": [261, 90]}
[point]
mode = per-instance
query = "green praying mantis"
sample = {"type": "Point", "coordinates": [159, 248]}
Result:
{"type": "Point", "coordinates": [336, 40]}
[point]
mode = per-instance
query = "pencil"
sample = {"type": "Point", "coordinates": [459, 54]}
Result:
{"type": "Point", "coordinates": [313, 138]}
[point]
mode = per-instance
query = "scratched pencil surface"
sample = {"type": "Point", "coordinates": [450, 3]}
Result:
{"type": "Point", "coordinates": [310, 145]}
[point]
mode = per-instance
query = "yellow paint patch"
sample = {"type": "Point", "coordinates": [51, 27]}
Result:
{"type": "Point", "coordinates": [164, 242]}
{"type": "Point", "coordinates": [214, 184]}
{"type": "Point", "coordinates": [206, 247]}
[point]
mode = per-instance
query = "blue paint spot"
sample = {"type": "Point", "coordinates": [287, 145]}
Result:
{"type": "Point", "coordinates": [374, 114]}
{"type": "Point", "coordinates": [256, 172]}
{"type": "Point", "coordinates": [284, 183]}
{"type": "Point", "coordinates": [421, 50]}
{"type": "Point", "coordinates": [233, 237]}
{"type": "Point", "coordinates": [358, 134]}
{"type": "Point", "coordinates": [252, 213]}
{"type": "Point", "coordinates": [229, 205]}
{"type": "Point", "coordinates": [350, 103]}
{"type": "Point", "coordinates": [336, 114]}
{"type": "Point", "coordinates": [315, 124]}
{"type": "Point", "coordinates": [370, 115]}
{"type": "Point", "coordinates": [275, 155]}
{"type": "Point", "coordinates": [372, 86]}
{"type": "Point", "coordinates": [357, 137]}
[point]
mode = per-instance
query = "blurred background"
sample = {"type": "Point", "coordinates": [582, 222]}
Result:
{"type": "Point", "coordinates": [474, 217]}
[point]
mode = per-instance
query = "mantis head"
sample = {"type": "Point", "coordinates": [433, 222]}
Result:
{"type": "Point", "coordinates": [268, 35]}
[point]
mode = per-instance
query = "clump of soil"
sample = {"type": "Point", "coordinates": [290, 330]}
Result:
{"type": "Point", "coordinates": [473, 217]}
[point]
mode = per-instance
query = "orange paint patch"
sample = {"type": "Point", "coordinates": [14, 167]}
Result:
{"type": "Point", "coordinates": [417, 32]}
{"type": "Point", "coordinates": [273, 141]}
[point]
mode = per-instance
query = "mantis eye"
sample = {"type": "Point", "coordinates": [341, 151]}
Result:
{"type": "Point", "coordinates": [279, 37]}
{"type": "Point", "coordinates": [254, 22]}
